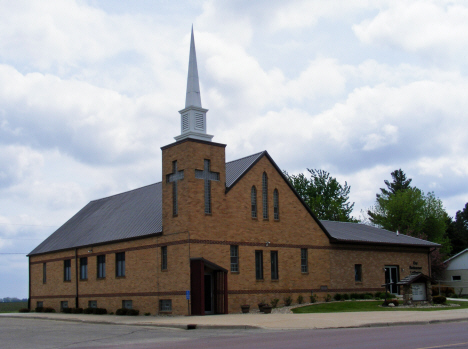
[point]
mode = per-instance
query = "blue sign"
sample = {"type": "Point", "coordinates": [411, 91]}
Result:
{"type": "Point", "coordinates": [187, 295]}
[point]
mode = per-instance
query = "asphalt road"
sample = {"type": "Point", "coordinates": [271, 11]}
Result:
{"type": "Point", "coordinates": [33, 333]}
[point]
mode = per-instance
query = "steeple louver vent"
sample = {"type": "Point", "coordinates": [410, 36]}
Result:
{"type": "Point", "coordinates": [185, 123]}
{"type": "Point", "coordinates": [199, 122]}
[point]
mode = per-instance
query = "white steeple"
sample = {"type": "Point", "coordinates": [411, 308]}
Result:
{"type": "Point", "coordinates": [193, 116]}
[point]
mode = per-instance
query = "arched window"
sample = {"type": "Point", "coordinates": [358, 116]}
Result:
{"type": "Point", "coordinates": [275, 204]}
{"type": "Point", "coordinates": [265, 195]}
{"type": "Point", "coordinates": [253, 199]}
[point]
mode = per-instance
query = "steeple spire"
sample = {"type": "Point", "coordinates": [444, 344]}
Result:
{"type": "Point", "coordinates": [193, 116]}
{"type": "Point", "coordinates": [193, 86]}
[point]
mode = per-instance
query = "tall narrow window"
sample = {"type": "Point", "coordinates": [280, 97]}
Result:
{"type": "Point", "coordinates": [83, 268]}
{"type": "Point", "coordinates": [234, 258]}
{"type": "Point", "coordinates": [207, 176]}
{"type": "Point", "coordinates": [274, 265]}
{"type": "Point", "coordinates": [67, 270]}
{"type": "Point", "coordinates": [253, 200]}
{"type": "Point", "coordinates": [358, 272]}
{"type": "Point", "coordinates": [163, 257]}
{"type": "Point", "coordinates": [44, 273]}
{"type": "Point", "coordinates": [174, 178]}
{"type": "Point", "coordinates": [259, 265]}
{"type": "Point", "coordinates": [304, 262]}
{"type": "Point", "coordinates": [101, 266]}
{"type": "Point", "coordinates": [120, 264]}
{"type": "Point", "coordinates": [275, 204]}
{"type": "Point", "coordinates": [265, 195]}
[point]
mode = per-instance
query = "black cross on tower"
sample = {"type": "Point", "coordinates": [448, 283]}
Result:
{"type": "Point", "coordinates": [173, 178]}
{"type": "Point", "coordinates": [208, 176]}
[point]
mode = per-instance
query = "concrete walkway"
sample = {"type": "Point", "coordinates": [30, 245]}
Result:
{"type": "Point", "coordinates": [265, 321]}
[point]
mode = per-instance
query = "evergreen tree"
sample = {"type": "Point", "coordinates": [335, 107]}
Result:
{"type": "Point", "coordinates": [399, 183]}
{"type": "Point", "coordinates": [458, 230]}
{"type": "Point", "coordinates": [325, 196]}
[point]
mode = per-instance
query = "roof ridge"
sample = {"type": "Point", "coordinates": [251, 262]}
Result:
{"type": "Point", "coordinates": [245, 157]}
{"type": "Point", "coordinates": [125, 192]}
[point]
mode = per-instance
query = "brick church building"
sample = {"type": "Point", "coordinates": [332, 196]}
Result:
{"type": "Point", "coordinates": [230, 233]}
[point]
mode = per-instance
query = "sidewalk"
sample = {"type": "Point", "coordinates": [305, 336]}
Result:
{"type": "Point", "coordinates": [265, 321]}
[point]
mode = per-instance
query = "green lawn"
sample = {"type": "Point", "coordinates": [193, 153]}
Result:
{"type": "Point", "coordinates": [12, 307]}
{"type": "Point", "coordinates": [353, 306]}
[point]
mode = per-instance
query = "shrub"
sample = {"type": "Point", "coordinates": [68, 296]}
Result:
{"type": "Point", "coordinates": [337, 297]}
{"type": "Point", "coordinates": [345, 296]}
{"type": "Point", "coordinates": [49, 310]}
{"type": "Point", "coordinates": [67, 310]}
{"type": "Point", "coordinates": [367, 296]}
{"type": "Point", "coordinates": [328, 298]}
{"type": "Point", "coordinates": [133, 312]}
{"type": "Point", "coordinates": [274, 302]}
{"type": "Point", "coordinates": [439, 299]}
{"type": "Point", "coordinates": [444, 291]}
{"type": "Point", "coordinates": [77, 311]}
{"type": "Point", "coordinates": [99, 311]}
{"type": "Point", "coordinates": [287, 300]}
{"type": "Point", "coordinates": [39, 309]}
{"type": "Point", "coordinates": [88, 310]}
{"type": "Point", "coordinates": [24, 310]}
{"type": "Point", "coordinates": [300, 299]}
{"type": "Point", "coordinates": [147, 314]}
{"type": "Point", "coordinates": [313, 299]}
{"type": "Point", "coordinates": [355, 296]}
{"type": "Point", "coordinates": [121, 311]}
{"type": "Point", "coordinates": [378, 294]}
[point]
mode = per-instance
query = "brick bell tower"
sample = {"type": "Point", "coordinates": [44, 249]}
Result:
{"type": "Point", "coordinates": [194, 170]}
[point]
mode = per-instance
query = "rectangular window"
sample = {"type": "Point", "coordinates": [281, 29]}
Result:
{"type": "Point", "coordinates": [127, 304]}
{"type": "Point", "coordinates": [274, 265]}
{"type": "Point", "coordinates": [304, 260]}
{"type": "Point", "coordinates": [165, 305]}
{"type": "Point", "coordinates": [101, 266]}
{"type": "Point", "coordinates": [358, 272]}
{"type": "Point", "coordinates": [63, 305]}
{"type": "Point", "coordinates": [83, 268]}
{"type": "Point", "coordinates": [163, 257]}
{"type": "Point", "coordinates": [120, 264]}
{"type": "Point", "coordinates": [67, 270]}
{"type": "Point", "coordinates": [40, 304]}
{"type": "Point", "coordinates": [44, 273]}
{"type": "Point", "coordinates": [259, 265]}
{"type": "Point", "coordinates": [92, 304]}
{"type": "Point", "coordinates": [234, 258]}
{"type": "Point", "coordinates": [456, 277]}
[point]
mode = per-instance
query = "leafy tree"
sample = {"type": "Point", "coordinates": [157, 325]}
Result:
{"type": "Point", "coordinates": [325, 196]}
{"type": "Point", "coordinates": [458, 230]}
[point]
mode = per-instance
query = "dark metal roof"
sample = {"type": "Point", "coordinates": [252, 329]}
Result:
{"type": "Point", "coordinates": [132, 214]}
{"type": "Point", "coordinates": [236, 169]}
{"type": "Point", "coordinates": [413, 278]}
{"type": "Point", "coordinates": [362, 233]}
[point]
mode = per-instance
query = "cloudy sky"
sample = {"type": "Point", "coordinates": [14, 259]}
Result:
{"type": "Point", "coordinates": [90, 91]}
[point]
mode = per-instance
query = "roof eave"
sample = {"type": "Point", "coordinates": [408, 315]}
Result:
{"type": "Point", "coordinates": [358, 242]}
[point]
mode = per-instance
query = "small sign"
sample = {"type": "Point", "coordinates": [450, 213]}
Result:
{"type": "Point", "coordinates": [187, 295]}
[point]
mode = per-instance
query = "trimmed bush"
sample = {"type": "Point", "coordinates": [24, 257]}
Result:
{"type": "Point", "coordinates": [100, 311]}
{"type": "Point", "coordinates": [77, 310]}
{"type": "Point", "coordinates": [444, 291]}
{"type": "Point", "coordinates": [67, 310]}
{"type": "Point", "coordinates": [367, 296]}
{"type": "Point", "coordinates": [312, 298]}
{"type": "Point", "coordinates": [345, 296]}
{"type": "Point", "coordinates": [88, 310]}
{"type": "Point", "coordinates": [147, 314]}
{"type": "Point", "coordinates": [300, 299]}
{"type": "Point", "coordinates": [328, 298]}
{"type": "Point", "coordinates": [39, 309]}
{"type": "Point", "coordinates": [24, 310]}
{"type": "Point", "coordinates": [439, 299]}
{"type": "Point", "coordinates": [287, 301]}
{"type": "Point", "coordinates": [133, 312]}
{"type": "Point", "coordinates": [337, 297]}
{"type": "Point", "coordinates": [121, 311]}
{"type": "Point", "coordinates": [49, 310]}
{"type": "Point", "coordinates": [355, 296]}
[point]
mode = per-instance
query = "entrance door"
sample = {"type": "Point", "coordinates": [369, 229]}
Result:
{"type": "Point", "coordinates": [391, 278]}
{"type": "Point", "coordinates": [208, 294]}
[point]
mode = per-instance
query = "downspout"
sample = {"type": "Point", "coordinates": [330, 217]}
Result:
{"type": "Point", "coordinates": [429, 261]}
{"type": "Point", "coordinates": [76, 278]}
